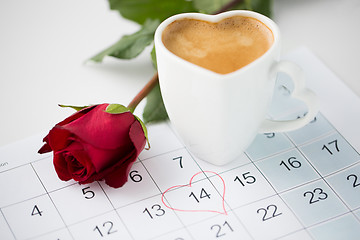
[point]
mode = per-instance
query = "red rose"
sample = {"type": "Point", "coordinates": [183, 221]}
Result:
{"type": "Point", "coordinates": [93, 145]}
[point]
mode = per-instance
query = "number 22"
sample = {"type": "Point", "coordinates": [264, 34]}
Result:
{"type": "Point", "coordinates": [267, 216]}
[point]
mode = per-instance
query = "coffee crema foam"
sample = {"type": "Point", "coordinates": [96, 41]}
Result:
{"type": "Point", "coordinates": [222, 47]}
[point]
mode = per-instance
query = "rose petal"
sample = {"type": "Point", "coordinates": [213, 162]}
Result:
{"type": "Point", "coordinates": [61, 167]}
{"type": "Point", "coordinates": [76, 115]}
{"type": "Point", "coordinates": [118, 175]}
{"type": "Point", "coordinates": [137, 136]}
{"type": "Point", "coordinates": [102, 159]}
{"type": "Point", "coordinates": [101, 129]}
{"type": "Point", "coordinates": [78, 163]}
{"type": "Point", "coordinates": [46, 147]}
{"type": "Point", "coordinates": [58, 138]}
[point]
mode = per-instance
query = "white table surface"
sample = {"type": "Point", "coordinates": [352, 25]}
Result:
{"type": "Point", "coordinates": [44, 44]}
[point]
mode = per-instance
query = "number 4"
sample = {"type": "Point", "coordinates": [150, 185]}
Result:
{"type": "Point", "coordinates": [36, 211]}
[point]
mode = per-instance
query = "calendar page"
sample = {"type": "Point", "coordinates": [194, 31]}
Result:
{"type": "Point", "coordinates": [303, 184]}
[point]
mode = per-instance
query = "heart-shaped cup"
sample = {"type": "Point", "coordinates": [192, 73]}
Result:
{"type": "Point", "coordinates": [219, 114]}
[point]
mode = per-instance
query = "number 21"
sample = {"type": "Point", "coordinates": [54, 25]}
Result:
{"type": "Point", "coordinates": [220, 229]}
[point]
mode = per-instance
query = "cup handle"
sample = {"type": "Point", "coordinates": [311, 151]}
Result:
{"type": "Point", "coordinates": [300, 92]}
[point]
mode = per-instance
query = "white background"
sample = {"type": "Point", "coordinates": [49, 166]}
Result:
{"type": "Point", "coordinates": [44, 44]}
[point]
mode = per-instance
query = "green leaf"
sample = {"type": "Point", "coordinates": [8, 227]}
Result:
{"type": "Point", "coordinates": [145, 131]}
{"type": "Point", "coordinates": [209, 6]}
{"type": "Point", "coordinates": [77, 108]}
{"type": "Point", "coordinates": [140, 10]}
{"type": "Point", "coordinates": [154, 110]}
{"type": "Point", "coordinates": [262, 6]}
{"type": "Point", "coordinates": [153, 57]}
{"type": "Point", "coordinates": [116, 109]}
{"type": "Point", "coordinates": [130, 46]}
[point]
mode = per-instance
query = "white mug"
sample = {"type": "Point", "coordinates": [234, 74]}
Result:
{"type": "Point", "coordinates": [218, 115]}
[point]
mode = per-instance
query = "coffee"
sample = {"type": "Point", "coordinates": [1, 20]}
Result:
{"type": "Point", "coordinates": [221, 47]}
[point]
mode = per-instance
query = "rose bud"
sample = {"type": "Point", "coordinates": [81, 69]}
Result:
{"type": "Point", "coordinates": [96, 143]}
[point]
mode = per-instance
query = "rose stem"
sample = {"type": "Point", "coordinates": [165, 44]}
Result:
{"type": "Point", "coordinates": [155, 79]}
{"type": "Point", "coordinates": [143, 92]}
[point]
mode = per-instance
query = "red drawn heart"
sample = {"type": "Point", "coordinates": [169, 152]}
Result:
{"type": "Point", "coordinates": [223, 211]}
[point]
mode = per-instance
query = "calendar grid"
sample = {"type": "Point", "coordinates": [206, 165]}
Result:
{"type": "Point", "coordinates": [302, 184]}
{"type": "Point", "coordinates": [7, 223]}
{"type": "Point", "coordinates": [47, 193]}
{"type": "Point", "coordinates": [217, 190]}
{"type": "Point", "coordinates": [184, 226]}
{"type": "Point", "coordinates": [230, 209]}
{"type": "Point", "coordinates": [351, 211]}
{"type": "Point", "coordinates": [335, 172]}
{"type": "Point", "coordinates": [115, 210]}
{"type": "Point", "coordinates": [277, 194]}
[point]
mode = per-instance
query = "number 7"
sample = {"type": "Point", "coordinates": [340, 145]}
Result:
{"type": "Point", "coordinates": [180, 161]}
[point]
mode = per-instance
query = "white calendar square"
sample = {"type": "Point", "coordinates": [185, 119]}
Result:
{"type": "Point", "coordinates": [268, 144]}
{"type": "Point", "coordinates": [157, 133]}
{"type": "Point", "coordinates": [33, 217]}
{"type": "Point", "coordinates": [149, 218]}
{"type": "Point", "coordinates": [271, 215]}
{"type": "Point", "coordinates": [330, 154]}
{"type": "Point", "coordinates": [357, 213]}
{"type": "Point", "coordinates": [347, 184]}
{"type": "Point", "coordinates": [62, 234]}
{"type": "Point", "coordinates": [196, 201]}
{"type": "Point", "coordinates": [220, 227]}
{"type": "Point", "coordinates": [344, 227]}
{"type": "Point", "coordinates": [173, 168]}
{"type": "Point", "coordinates": [11, 156]}
{"type": "Point", "coordinates": [244, 185]}
{"type": "Point", "coordinates": [19, 184]}
{"type": "Point", "coordinates": [287, 170]}
{"type": "Point", "coordinates": [79, 202]}
{"type": "Point", "coordinates": [239, 161]}
{"type": "Point", "coordinates": [45, 170]}
{"type": "Point", "coordinates": [299, 235]}
{"type": "Point", "coordinates": [139, 186]}
{"type": "Point", "coordinates": [314, 203]}
{"type": "Point", "coordinates": [182, 234]}
{"type": "Point", "coordinates": [104, 226]}
{"type": "Point", "coordinates": [4, 229]}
